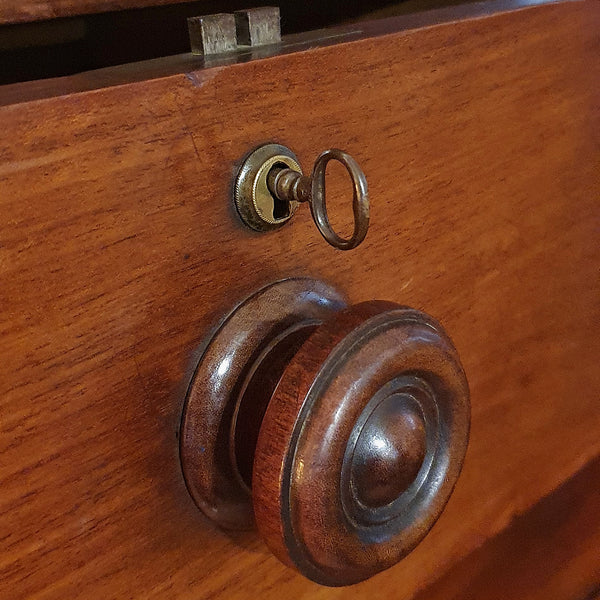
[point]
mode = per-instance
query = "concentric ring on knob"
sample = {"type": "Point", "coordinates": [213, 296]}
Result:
{"type": "Point", "coordinates": [391, 444]}
{"type": "Point", "coordinates": [373, 375]}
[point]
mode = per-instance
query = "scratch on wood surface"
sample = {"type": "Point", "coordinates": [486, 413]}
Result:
{"type": "Point", "coordinates": [200, 78]}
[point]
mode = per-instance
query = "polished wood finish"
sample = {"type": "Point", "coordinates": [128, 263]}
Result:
{"type": "Point", "coordinates": [189, 63]}
{"type": "Point", "coordinates": [119, 251]}
{"type": "Point", "coordinates": [344, 427]}
{"type": "Point", "coordinates": [317, 504]}
{"type": "Point", "coordinates": [231, 388]}
{"type": "Point", "coordinates": [551, 551]}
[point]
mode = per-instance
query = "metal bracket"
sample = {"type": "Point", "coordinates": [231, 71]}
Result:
{"type": "Point", "coordinates": [223, 33]}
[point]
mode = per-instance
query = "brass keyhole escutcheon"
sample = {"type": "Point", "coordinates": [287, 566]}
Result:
{"type": "Point", "coordinates": [270, 186]}
{"type": "Point", "coordinates": [258, 207]}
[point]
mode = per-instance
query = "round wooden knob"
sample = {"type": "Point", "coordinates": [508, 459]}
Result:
{"type": "Point", "coordinates": [350, 448]}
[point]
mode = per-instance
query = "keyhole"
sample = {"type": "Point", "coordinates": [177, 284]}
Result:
{"type": "Point", "coordinates": [281, 208]}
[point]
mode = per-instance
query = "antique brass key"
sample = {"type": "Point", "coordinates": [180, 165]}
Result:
{"type": "Point", "coordinates": [270, 186]}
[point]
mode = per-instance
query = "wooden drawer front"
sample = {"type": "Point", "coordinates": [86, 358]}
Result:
{"type": "Point", "coordinates": [119, 252]}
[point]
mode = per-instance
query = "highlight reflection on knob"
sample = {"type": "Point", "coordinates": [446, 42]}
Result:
{"type": "Point", "coordinates": [340, 430]}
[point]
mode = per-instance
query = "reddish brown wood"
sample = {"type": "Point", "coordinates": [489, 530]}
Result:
{"type": "Point", "coordinates": [16, 11]}
{"type": "Point", "coordinates": [326, 387]}
{"type": "Point", "coordinates": [310, 40]}
{"type": "Point", "coordinates": [232, 385]}
{"type": "Point", "coordinates": [313, 506]}
{"type": "Point", "coordinates": [119, 252]}
{"type": "Point", "coordinates": [529, 560]}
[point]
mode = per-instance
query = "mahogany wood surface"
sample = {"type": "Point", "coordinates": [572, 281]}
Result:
{"type": "Point", "coordinates": [528, 559]}
{"type": "Point", "coordinates": [319, 458]}
{"type": "Point", "coordinates": [19, 11]}
{"type": "Point", "coordinates": [26, 91]}
{"type": "Point", "coordinates": [119, 251]}
{"type": "Point", "coordinates": [224, 408]}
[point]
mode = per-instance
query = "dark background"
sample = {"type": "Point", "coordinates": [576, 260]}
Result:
{"type": "Point", "coordinates": [71, 45]}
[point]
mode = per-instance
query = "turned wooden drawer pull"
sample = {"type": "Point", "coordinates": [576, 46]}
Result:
{"type": "Point", "coordinates": [340, 430]}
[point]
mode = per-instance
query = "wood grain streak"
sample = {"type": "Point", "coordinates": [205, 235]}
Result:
{"type": "Point", "coordinates": [18, 11]}
{"type": "Point", "coordinates": [119, 251]}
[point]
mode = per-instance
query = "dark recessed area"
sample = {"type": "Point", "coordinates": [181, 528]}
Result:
{"type": "Point", "coordinates": [72, 45]}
